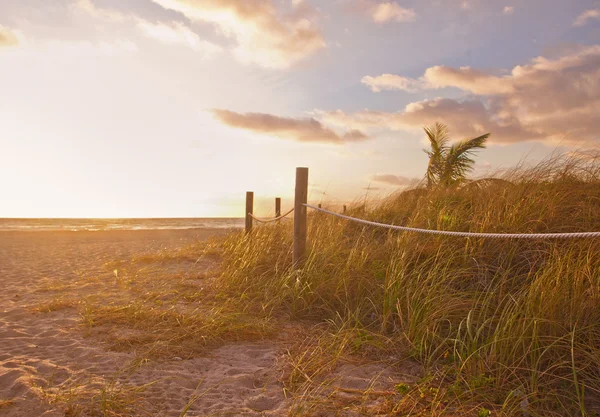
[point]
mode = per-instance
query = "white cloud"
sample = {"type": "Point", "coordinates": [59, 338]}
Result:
{"type": "Point", "coordinates": [177, 33]}
{"type": "Point", "coordinates": [466, 118]}
{"type": "Point", "coordinates": [583, 18]}
{"type": "Point", "coordinates": [392, 11]}
{"type": "Point", "coordinates": [468, 79]}
{"type": "Point", "coordinates": [546, 99]}
{"type": "Point", "coordinates": [170, 33]}
{"type": "Point", "coordinates": [90, 8]}
{"type": "Point", "coordinates": [393, 82]}
{"type": "Point", "coordinates": [437, 77]}
{"type": "Point", "coordinates": [508, 10]}
{"type": "Point", "coordinates": [262, 34]}
{"type": "Point", "coordinates": [7, 37]}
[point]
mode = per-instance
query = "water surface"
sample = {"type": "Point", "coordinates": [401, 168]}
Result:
{"type": "Point", "coordinates": [33, 225]}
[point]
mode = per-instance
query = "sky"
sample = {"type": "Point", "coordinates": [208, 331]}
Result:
{"type": "Point", "coordinates": [175, 108]}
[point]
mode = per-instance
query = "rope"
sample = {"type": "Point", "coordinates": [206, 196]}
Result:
{"type": "Point", "coordinates": [258, 219]}
{"type": "Point", "coordinates": [464, 234]}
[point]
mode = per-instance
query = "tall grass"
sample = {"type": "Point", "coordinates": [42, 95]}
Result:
{"type": "Point", "coordinates": [513, 324]}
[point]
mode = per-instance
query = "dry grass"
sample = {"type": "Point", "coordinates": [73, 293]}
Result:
{"type": "Point", "coordinates": [56, 304]}
{"type": "Point", "coordinates": [6, 403]}
{"type": "Point", "coordinates": [170, 305]}
{"type": "Point", "coordinates": [161, 305]}
{"type": "Point", "coordinates": [167, 331]}
{"type": "Point", "coordinates": [504, 327]}
{"type": "Point", "coordinates": [113, 397]}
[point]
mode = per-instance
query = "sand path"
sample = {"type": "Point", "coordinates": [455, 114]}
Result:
{"type": "Point", "coordinates": [46, 357]}
{"type": "Point", "coordinates": [50, 365]}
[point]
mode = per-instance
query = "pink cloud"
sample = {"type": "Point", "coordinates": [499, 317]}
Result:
{"type": "Point", "coordinates": [301, 130]}
{"type": "Point", "coordinates": [263, 35]}
{"type": "Point", "coordinates": [546, 99]}
{"type": "Point", "coordinates": [583, 18]}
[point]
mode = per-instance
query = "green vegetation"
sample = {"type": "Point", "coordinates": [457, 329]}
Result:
{"type": "Point", "coordinates": [501, 327]}
{"type": "Point", "coordinates": [450, 164]}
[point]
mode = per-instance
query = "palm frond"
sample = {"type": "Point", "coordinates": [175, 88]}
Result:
{"type": "Point", "coordinates": [467, 146]}
{"type": "Point", "coordinates": [438, 138]}
{"type": "Point", "coordinates": [449, 164]}
{"type": "Point", "coordinates": [458, 162]}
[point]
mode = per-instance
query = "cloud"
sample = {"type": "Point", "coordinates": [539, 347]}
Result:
{"type": "Point", "coordinates": [508, 10]}
{"type": "Point", "coordinates": [468, 79]}
{"type": "Point", "coordinates": [7, 37]}
{"type": "Point", "coordinates": [583, 18]}
{"type": "Point", "coordinates": [169, 33]}
{"type": "Point", "coordinates": [263, 36]}
{"type": "Point", "coordinates": [393, 82]}
{"type": "Point", "coordinates": [90, 8]}
{"type": "Point", "coordinates": [465, 78]}
{"type": "Point", "coordinates": [391, 11]}
{"type": "Point", "coordinates": [301, 130]}
{"type": "Point", "coordinates": [466, 118]}
{"type": "Point", "coordinates": [177, 33]}
{"type": "Point", "coordinates": [395, 180]}
{"type": "Point", "coordinates": [551, 99]}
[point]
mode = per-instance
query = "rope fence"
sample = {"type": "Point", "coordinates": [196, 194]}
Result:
{"type": "Point", "coordinates": [271, 220]}
{"type": "Point", "coordinates": [300, 221]}
{"type": "Point", "coordinates": [575, 235]}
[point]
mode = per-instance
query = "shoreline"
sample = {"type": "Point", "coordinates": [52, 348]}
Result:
{"type": "Point", "coordinates": [165, 231]}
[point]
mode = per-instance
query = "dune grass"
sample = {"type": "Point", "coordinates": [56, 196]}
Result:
{"type": "Point", "coordinates": [498, 327]}
{"type": "Point", "coordinates": [501, 326]}
{"type": "Point", "coordinates": [102, 396]}
{"type": "Point", "coordinates": [160, 306]}
{"type": "Point", "coordinates": [56, 304]}
{"type": "Point", "coordinates": [6, 403]}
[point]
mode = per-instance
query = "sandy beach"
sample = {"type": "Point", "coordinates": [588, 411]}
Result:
{"type": "Point", "coordinates": [45, 357]}
{"type": "Point", "coordinates": [55, 362]}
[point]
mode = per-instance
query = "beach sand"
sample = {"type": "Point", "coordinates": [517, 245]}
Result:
{"type": "Point", "coordinates": [52, 364]}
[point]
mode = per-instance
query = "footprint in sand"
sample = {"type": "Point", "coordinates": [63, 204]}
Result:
{"type": "Point", "coordinates": [263, 402]}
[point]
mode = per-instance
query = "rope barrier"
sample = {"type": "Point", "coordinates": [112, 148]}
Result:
{"type": "Point", "coordinates": [577, 235]}
{"type": "Point", "coordinates": [260, 220]}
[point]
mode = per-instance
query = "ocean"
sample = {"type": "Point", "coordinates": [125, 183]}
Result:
{"type": "Point", "coordinates": [37, 225]}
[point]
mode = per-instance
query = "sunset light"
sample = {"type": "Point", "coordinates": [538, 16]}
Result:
{"type": "Point", "coordinates": [174, 108]}
{"type": "Point", "coordinates": [300, 208]}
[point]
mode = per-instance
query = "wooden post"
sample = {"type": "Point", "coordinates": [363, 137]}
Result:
{"type": "Point", "coordinates": [249, 210]}
{"type": "Point", "coordinates": [320, 206]}
{"type": "Point", "coordinates": [344, 209]}
{"type": "Point", "coordinates": [301, 197]}
{"type": "Point", "coordinates": [277, 207]}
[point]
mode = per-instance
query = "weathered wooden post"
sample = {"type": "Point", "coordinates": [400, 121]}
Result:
{"type": "Point", "coordinates": [320, 206]}
{"type": "Point", "coordinates": [344, 209]}
{"type": "Point", "coordinates": [277, 207]}
{"type": "Point", "coordinates": [249, 210]}
{"type": "Point", "coordinates": [301, 198]}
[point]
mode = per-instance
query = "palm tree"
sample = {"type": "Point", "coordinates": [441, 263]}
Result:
{"type": "Point", "coordinates": [450, 164]}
